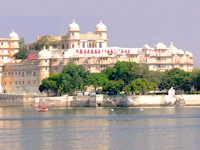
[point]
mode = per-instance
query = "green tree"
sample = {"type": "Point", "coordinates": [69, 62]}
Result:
{"type": "Point", "coordinates": [72, 78]}
{"type": "Point", "coordinates": [22, 54]}
{"type": "Point", "coordinates": [121, 71]}
{"type": "Point", "coordinates": [176, 78]}
{"type": "Point", "coordinates": [194, 76]}
{"type": "Point", "coordinates": [142, 85]}
{"type": "Point", "coordinates": [114, 86]}
{"type": "Point", "coordinates": [98, 80]}
{"type": "Point", "coordinates": [139, 71]}
{"type": "Point", "coordinates": [45, 40]}
{"type": "Point", "coordinates": [154, 76]}
{"type": "Point", "coordinates": [51, 83]}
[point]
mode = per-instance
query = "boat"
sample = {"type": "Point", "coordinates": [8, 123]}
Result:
{"type": "Point", "coordinates": [43, 108]}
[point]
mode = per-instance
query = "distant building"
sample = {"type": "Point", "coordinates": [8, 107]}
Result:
{"type": "Point", "coordinates": [8, 47]}
{"type": "Point", "coordinates": [89, 50]}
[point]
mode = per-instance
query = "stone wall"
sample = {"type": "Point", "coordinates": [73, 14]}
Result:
{"type": "Point", "coordinates": [93, 100]}
{"type": "Point", "coordinates": [16, 100]}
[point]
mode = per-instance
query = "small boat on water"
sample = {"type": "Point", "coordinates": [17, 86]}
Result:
{"type": "Point", "coordinates": [43, 108]}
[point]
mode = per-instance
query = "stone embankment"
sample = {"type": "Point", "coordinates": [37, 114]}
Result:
{"type": "Point", "coordinates": [93, 100]}
{"type": "Point", "coordinates": [16, 100]}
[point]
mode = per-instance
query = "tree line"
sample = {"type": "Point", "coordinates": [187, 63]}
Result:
{"type": "Point", "coordinates": [127, 77]}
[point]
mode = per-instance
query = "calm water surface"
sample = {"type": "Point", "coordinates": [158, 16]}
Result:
{"type": "Point", "coordinates": [100, 128]}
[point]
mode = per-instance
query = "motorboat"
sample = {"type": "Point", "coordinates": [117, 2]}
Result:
{"type": "Point", "coordinates": [42, 108]}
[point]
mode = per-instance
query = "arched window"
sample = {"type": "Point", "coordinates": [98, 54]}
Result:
{"type": "Point", "coordinates": [100, 45]}
{"type": "Point", "coordinates": [90, 45]}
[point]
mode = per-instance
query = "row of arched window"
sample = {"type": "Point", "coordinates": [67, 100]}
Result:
{"type": "Point", "coordinates": [98, 51]}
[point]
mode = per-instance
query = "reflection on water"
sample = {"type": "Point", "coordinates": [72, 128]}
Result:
{"type": "Point", "coordinates": [100, 128]}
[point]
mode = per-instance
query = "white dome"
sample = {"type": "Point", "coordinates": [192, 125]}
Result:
{"type": "Point", "coordinates": [13, 36]}
{"type": "Point", "coordinates": [187, 53]}
{"type": "Point", "coordinates": [44, 54]}
{"type": "Point", "coordinates": [160, 45]}
{"type": "Point", "coordinates": [146, 46]}
{"type": "Point", "coordinates": [73, 26]}
{"type": "Point", "coordinates": [181, 51]}
{"type": "Point", "coordinates": [101, 27]}
{"type": "Point", "coordinates": [76, 55]}
{"type": "Point", "coordinates": [104, 54]}
{"type": "Point", "coordinates": [190, 54]}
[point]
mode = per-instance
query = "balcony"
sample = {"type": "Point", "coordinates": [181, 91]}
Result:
{"type": "Point", "coordinates": [160, 55]}
{"type": "Point", "coordinates": [4, 46]}
{"type": "Point", "coordinates": [14, 46]}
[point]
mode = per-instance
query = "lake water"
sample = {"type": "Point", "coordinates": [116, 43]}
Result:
{"type": "Point", "coordinates": [100, 128]}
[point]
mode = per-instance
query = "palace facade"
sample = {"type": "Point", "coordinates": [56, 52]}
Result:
{"type": "Point", "coordinates": [89, 50]}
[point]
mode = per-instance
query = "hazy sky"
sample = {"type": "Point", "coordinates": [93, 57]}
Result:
{"type": "Point", "coordinates": [130, 23]}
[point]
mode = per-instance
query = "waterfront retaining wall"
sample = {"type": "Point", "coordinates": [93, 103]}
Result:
{"type": "Point", "coordinates": [93, 101]}
{"type": "Point", "coordinates": [16, 100]}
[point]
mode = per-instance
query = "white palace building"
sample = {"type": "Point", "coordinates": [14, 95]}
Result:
{"type": "Point", "coordinates": [89, 50]}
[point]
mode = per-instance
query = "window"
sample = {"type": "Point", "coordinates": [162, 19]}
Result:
{"type": "Point", "coordinates": [22, 73]}
{"type": "Point", "coordinates": [100, 45]}
{"type": "Point", "coordinates": [63, 46]}
{"type": "Point", "coordinates": [5, 73]}
{"type": "Point", "coordinates": [99, 34]}
{"type": "Point", "coordinates": [15, 82]}
{"type": "Point", "coordinates": [10, 83]}
{"type": "Point", "coordinates": [67, 46]}
{"type": "Point", "coordinates": [72, 33]}
{"type": "Point", "coordinates": [19, 73]}
{"type": "Point", "coordinates": [46, 68]}
{"type": "Point", "coordinates": [5, 83]}
{"type": "Point", "coordinates": [19, 82]}
{"type": "Point", "coordinates": [45, 61]}
{"type": "Point", "coordinates": [22, 82]}
{"type": "Point", "coordinates": [72, 45]}
{"type": "Point", "coordinates": [34, 82]}
{"type": "Point", "coordinates": [89, 67]}
{"type": "Point", "coordinates": [161, 58]}
{"type": "Point", "coordinates": [28, 82]}
{"type": "Point", "coordinates": [34, 73]}
{"type": "Point", "coordinates": [83, 44]}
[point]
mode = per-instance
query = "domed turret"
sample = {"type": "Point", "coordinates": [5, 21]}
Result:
{"type": "Point", "coordinates": [44, 54]}
{"type": "Point", "coordinates": [160, 45]}
{"type": "Point", "coordinates": [100, 27]}
{"type": "Point", "coordinates": [146, 46]}
{"type": "Point", "coordinates": [181, 52]}
{"type": "Point", "coordinates": [13, 36]}
{"type": "Point", "coordinates": [73, 26]}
